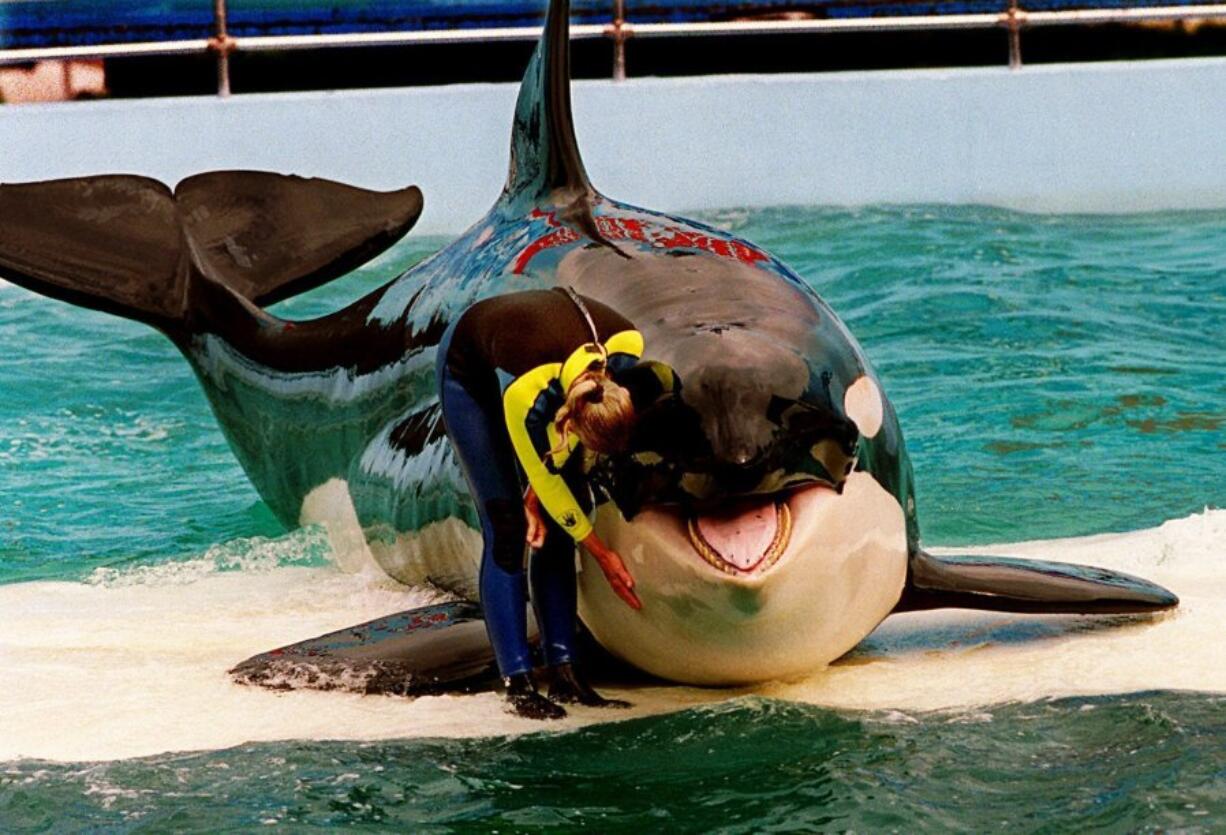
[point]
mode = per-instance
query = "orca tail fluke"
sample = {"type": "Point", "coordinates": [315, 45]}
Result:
{"type": "Point", "coordinates": [428, 650]}
{"type": "Point", "coordinates": [109, 243]}
{"type": "Point", "coordinates": [270, 236]}
{"type": "Point", "coordinates": [130, 246]}
{"type": "Point", "coordinates": [1005, 584]}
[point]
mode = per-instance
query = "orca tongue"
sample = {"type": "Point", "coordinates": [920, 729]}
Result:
{"type": "Point", "coordinates": [740, 535]}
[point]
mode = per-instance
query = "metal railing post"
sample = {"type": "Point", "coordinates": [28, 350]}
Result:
{"type": "Point", "coordinates": [1013, 21]}
{"type": "Point", "coordinates": [222, 44]}
{"type": "Point", "coordinates": [619, 40]}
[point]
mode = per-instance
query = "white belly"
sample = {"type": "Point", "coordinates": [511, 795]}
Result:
{"type": "Point", "coordinates": [842, 573]}
{"type": "Point", "coordinates": [445, 554]}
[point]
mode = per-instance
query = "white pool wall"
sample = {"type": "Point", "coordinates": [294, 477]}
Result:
{"type": "Point", "coordinates": [1102, 137]}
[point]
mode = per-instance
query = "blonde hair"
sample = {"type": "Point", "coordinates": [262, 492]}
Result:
{"type": "Point", "coordinates": [598, 410]}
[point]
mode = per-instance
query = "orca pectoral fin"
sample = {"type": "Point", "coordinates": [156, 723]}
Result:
{"type": "Point", "coordinates": [420, 651]}
{"type": "Point", "coordinates": [1005, 584]}
{"type": "Point", "coordinates": [270, 236]}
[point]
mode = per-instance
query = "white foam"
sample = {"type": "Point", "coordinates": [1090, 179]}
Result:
{"type": "Point", "coordinates": [135, 663]}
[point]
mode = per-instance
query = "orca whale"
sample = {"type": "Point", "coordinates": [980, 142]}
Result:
{"type": "Point", "coordinates": [766, 503]}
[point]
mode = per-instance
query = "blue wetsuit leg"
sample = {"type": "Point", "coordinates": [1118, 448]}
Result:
{"type": "Point", "coordinates": [483, 448]}
{"type": "Point", "coordinates": [551, 573]}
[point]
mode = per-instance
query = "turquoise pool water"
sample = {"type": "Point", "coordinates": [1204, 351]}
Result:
{"type": "Point", "coordinates": [1055, 376]}
{"type": "Point", "coordinates": [1147, 761]}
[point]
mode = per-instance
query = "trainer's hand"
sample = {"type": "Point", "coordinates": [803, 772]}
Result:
{"type": "Point", "coordinates": [536, 525]}
{"type": "Point", "coordinates": [614, 570]}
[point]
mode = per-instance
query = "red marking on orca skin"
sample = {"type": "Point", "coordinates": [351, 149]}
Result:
{"type": "Point", "coordinates": [631, 229]}
{"type": "Point", "coordinates": [418, 621]}
{"type": "Point", "coordinates": [556, 238]}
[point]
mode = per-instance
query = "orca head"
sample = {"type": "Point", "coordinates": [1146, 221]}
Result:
{"type": "Point", "coordinates": [755, 415]}
{"type": "Point", "coordinates": [770, 388]}
{"type": "Point", "coordinates": [762, 547]}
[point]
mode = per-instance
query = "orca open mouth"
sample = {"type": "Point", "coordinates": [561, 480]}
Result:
{"type": "Point", "coordinates": [742, 537]}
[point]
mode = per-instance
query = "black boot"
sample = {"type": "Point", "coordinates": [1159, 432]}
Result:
{"type": "Point", "coordinates": [567, 687]}
{"type": "Point", "coordinates": [524, 700]}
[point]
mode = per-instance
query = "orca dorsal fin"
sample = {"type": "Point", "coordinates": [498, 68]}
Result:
{"type": "Point", "coordinates": [544, 154]}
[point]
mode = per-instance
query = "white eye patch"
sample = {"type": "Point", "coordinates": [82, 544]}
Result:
{"type": "Point", "coordinates": [863, 407]}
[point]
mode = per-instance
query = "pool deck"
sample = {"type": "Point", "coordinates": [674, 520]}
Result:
{"type": "Point", "coordinates": [1102, 137]}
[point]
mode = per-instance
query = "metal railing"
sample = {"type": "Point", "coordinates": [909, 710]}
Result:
{"type": "Point", "coordinates": [1013, 20]}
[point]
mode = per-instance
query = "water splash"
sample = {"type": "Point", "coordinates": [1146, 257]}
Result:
{"type": "Point", "coordinates": [307, 546]}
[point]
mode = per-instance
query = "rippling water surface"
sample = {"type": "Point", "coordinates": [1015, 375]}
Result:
{"type": "Point", "coordinates": [1147, 760]}
{"type": "Point", "coordinates": [1055, 376]}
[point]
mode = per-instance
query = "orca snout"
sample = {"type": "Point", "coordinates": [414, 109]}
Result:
{"type": "Point", "coordinates": [738, 476]}
{"type": "Point", "coordinates": [733, 392]}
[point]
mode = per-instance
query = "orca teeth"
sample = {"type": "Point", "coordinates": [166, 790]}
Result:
{"type": "Point", "coordinates": [779, 544]}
